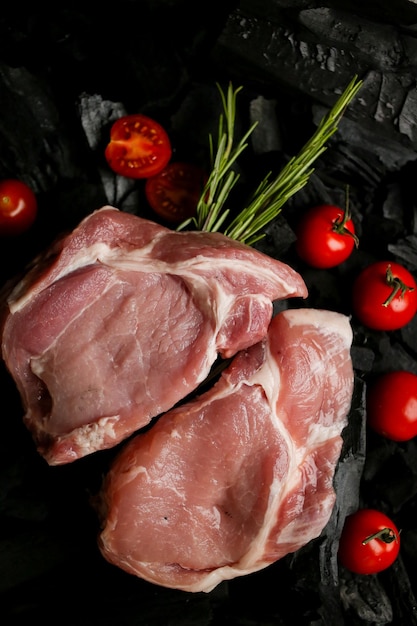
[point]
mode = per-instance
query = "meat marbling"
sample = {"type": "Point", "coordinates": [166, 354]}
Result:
{"type": "Point", "coordinates": [242, 475]}
{"type": "Point", "coordinates": [123, 318]}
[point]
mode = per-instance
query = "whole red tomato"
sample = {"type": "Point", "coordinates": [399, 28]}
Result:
{"type": "Point", "coordinates": [18, 207]}
{"type": "Point", "coordinates": [391, 405]}
{"type": "Point", "coordinates": [369, 543]}
{"type": "Point", "coordinates": [325, 236]}
{"type": "Point", "coordinates": [174, 193]}
{"type": "Point", "coordinates": [384, 296]}
{"type": "Point", "coordinates": [139, 147]}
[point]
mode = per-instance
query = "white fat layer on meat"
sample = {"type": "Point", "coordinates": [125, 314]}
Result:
{"type": "Point", "coordinates": [141, 259]}
{"type": "Point", "coordinates": [338, 328]}
{"type": "Point", "coordinates": [328, 322]}
{"type": "Point", "coordinates": [90, 437]}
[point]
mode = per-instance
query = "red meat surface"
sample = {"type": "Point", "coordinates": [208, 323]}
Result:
{"type": "Point", "coordinates": [123, 318]}
{"type": "Point", "coordinates": [242, 475]}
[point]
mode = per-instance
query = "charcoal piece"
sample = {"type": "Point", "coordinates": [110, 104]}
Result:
{"type": "Point", "coordinates": [275, 52]}
{"type": "Point", "coordinates": [362, 358]}
{"type": "Point", "coordinates": [278, 238]}
{"type": "Point", "coordinates": [396, 356]}
{"type": "Point", "coordinates": [380, 42]}
{"type": "Point", "coordinates": [393, 204]}
{"type": "Point", "coordinates": [323, 289]}
{"type": "Point", "coordinates": [395, 481]}
{"type": "Point", "coordinates": [366, 153]}
{"type": "Point", "coordinates": [407, 116]}
{"type": "Point", "coordinates": [403, 598]}
{"type": "Point", "coordinates": [97, 116]}
{"type": "Point", "coordinates": [266, 136]}
{"type": "Point", "coordinates": [406, 251]}
{"type": "Point", "coordinates": [379, 452]}
{"type": "Point", "coordinates": [402, 13]}
{"type": "Point", "coordinates": [35, 142]}
{"type": "Point", "coordinates": [346, 482]}
{"type": "Point", "coordinates": [284, 49]}
{"type": "Point", "coordinates": [364, 598]}
{"type": "Point", "coordinates": [196, 118]}
{"type": "Point", "coordinates": [409, 337]}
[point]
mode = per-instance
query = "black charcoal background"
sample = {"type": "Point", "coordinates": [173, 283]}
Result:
{"type": "Point", "coordinates": [65, 75]}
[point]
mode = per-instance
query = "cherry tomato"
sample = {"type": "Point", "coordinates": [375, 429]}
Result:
{"type": "Point", "coordinates": [391, 405]}
{"type": "Point", "coordinates": [369, 543]}
{"type": "Point", "coordinates": [384, 296]}
{"type": "Point", "coordinates": [18, 207]}
{"type": "Point", "coordinates": [325, 236]}
{"type": "Point", "coordinates": [174, 193]}
{"type": "Point", "coordinates": [139, 147]}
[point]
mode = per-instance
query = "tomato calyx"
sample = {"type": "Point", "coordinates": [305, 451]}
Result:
{"type": "Point", "coordinates": [339, 225]}
{"type": "Point", "coordinates": [387, 535]}
{"type": "Point", "coordinates": [397, 286]}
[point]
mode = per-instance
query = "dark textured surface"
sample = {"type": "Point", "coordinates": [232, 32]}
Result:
{"type": "Point", "coordinates": [64, 76]}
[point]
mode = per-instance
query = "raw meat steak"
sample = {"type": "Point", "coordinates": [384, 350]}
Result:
{"type": "Point", "coordinates": [241, 476]}
{"type": "Point", "coordinates": [123, 318]}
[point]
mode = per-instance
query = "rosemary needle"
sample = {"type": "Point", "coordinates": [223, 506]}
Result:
{"type": "Point", "coordinates": [269, 197]}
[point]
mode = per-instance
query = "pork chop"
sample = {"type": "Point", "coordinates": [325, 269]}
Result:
{"type": "Point", "coordinates": [239, 477]}
{"type": "Point", "coordinates": [123, 318]}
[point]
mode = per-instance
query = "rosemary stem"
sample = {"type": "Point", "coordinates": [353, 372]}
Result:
{"type": "Point", "coordinates": [267, 201]}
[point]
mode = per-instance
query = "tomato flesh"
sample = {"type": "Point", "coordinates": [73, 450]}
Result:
{"type": "Point", "coordinates": [174, 193]}
{"type": "Point", "coordinates": [18, 207]}
{"type": "Point", "coordinates": [139, 147]}
{"type": "Point", "coordinates": [391, 405]}
{"type": "Point", "coordinates": [319, 242]}
{"type": "Point", "coordinates": [371, 290]}
{"type": "Point", "coordinates": [362, 554]}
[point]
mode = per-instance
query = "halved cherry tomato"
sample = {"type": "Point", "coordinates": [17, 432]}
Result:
{"type": "Point", "coordinates": [391, 405]}
{"type": "Point", "coordinates": [139, 147]}
{"type": "Point", "coordinates": [18, 207]}
{"type": "Point", "coordinates": [174, 193]}
{"type": "Point", "coordinates": [384, 296]}
{"type": "Point", "coordinates": [325, 236]}
{"type": "Point", "coordinates": [369, 543]}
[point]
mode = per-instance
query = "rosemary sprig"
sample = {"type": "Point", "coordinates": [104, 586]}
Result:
{"type": "Point", "coordinates": [269, 197]}
{"type": "Point", "coordinates": [210, 214]}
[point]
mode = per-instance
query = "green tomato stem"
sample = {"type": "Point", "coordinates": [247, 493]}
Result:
{"type": "Point", "coordinates": [398, 286]}
{"type": "Point", "coordinates": [339, 225]}
{"type": "Point", "coordinates": [387, 535]}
